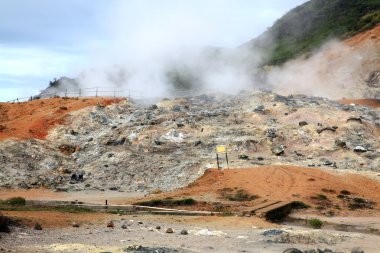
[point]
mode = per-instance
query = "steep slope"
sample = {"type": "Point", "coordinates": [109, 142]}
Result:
{"type": "Point", "coordinates": [345, 69]}
{"type": "Point", "coordinates": [308, 26]}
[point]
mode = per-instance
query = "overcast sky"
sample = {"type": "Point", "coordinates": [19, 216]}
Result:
{"type": "Point", "coordinates": [43, 39]}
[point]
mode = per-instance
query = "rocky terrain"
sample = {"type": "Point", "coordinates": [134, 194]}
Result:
{"type": "Point", "coordinates": [167, 145]}
{"type": "Point", "coordinates": [151, 234]}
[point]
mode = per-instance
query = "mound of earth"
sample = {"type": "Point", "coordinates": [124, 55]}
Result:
{"type": "Point", "coordinates": [35, 118]}
{"type": "Point", "coordinates": [282, 183]}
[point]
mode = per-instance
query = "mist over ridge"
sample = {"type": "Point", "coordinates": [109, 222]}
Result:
{"type": "Point", "coordinates": [164, 54]}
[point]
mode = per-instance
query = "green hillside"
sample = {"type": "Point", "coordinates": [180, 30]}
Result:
{"type": "Point", "coordinates": [311, 24]}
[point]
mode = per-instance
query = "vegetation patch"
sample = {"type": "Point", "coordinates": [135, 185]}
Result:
{"type": "Point", "coordinates": [299, 205]}
{"type": "Point", "coordinates": [307, 27]}
{"type": "Point", "coordinates": [221, 208]}
{"type": "Point", "coordinates": [167, 202]}
{"type": "Point", "coordinates": [355, 202]}
{"type": "Point", "coordinates": [16, 201]}
{"type": "Point", "coordinates": [315, 223]}
{"type": "Point", "coordinates": [360, 203]}
{"type": "Point", "coordinates": [345, 192]}
{"type": "Point", "coordinates": [237, 194]}
{"type": "Point", "coordinates": [328, 190]}
{"type": "Point", "coordinates": [319, 197]}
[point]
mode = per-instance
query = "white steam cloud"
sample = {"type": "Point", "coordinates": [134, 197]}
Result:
{"type": "Point", "coordinates": [335, 71]}
{"type": "Point", "coordinates": [150, 51]}
{"type": "Point", "coordinates": [153, 51]}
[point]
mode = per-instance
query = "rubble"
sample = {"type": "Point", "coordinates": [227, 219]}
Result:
{"type": "Point", "coordinates": [134, 147]}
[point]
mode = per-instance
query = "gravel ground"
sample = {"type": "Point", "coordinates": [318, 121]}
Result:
{"type": "Point", "coordinates": [142, 235]}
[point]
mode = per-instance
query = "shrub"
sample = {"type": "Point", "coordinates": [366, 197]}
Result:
{"type": "Point", "coordinates": [241, 195]}
{"type": "Point", "coordinates": [320, 197]}
{"type": "Point", "coordinates": [315, 223]}
{"type": "Point", "coordinates": [328, 190]}
{"type": "Point", "coordinates": [16, 201]}
{"type": "Point", "coordinates": [237, 194]}
{"type": "Point", "coordinates": [345, 192]}
{"type": "Point", "coordinates": [299, 205]}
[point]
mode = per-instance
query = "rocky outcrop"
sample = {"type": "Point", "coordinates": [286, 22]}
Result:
{"type": "Point", "coordinates": [168, 145]}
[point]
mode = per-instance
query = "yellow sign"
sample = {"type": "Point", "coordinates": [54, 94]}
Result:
{"type": "Point", "coordinates": [221, 149]}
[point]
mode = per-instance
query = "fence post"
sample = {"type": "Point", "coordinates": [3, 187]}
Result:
{"type": "Point", "coordinates": [66, 93]}
{"type": "Point", "coordinates": [129, 94]}
{"type": "Point", "coordinates": [96, 92]}
{"type": "Point", "coordinates": [114, 92]}
{"type": "Point", "coordinates": [80, 92]}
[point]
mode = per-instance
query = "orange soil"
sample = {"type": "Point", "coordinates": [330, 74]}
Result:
{"type": "Point", "coordinates": [53, 219]}
{"type": "Point", "coordinates": [33, 194]}
{"type": "Point", "coordinates": [35, 118]}
{"type": "Point", "coordinates": [375, 103]}
{"type": "Point", "coordinates": [372, 35]}
{"type": "Point", "coordinates": [280, 183]}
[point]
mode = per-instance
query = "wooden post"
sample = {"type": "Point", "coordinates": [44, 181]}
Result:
{"type": "Point", "coordinates": [217, 160]}
{"type": "Point", "coordinates": [114, 92]}
{"type": "Point", "coordinates": [96, 92]}
{"type": "Point", "coordinates": [106, 204]}
{"type": "Point", "coordinates": [80, 92]}
{"type": "Point", "coordinates": [228, 166]}
{"type": "Point", "coordinates": [66, 93]}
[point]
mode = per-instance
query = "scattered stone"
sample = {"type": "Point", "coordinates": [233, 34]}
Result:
{"type": "Point", "coordinates": [158, 227]}
{"type": "Point", "coordinates": [356, 119]}
{"type": "Point", "coordinates": [133, 247]}
{"type": "Point", "coordinates": [75, 225]}
{"type": "Point", "coordinates": [303, 123]}
{"type": "Point", "coordinates": [292, 250]}
{"type": "Point", "coordinates": [184, 232]}
{"type": "Point", "coordinates": [37, 226]}
{"type": "Point", "coordinates": [176, 108]}
{"type": "Point", "coordinates": [360, 149]}
{"type": "Point", "coordinates": [272, 232]}
{"type": "Point", "coordinates": [340, 143]}
{"type": "Point", "coordinates": [110, 224]}
{"type": "Point", "coordinates": [259, 109]}
{"type": "Point", "coordinates": [169, 231]}
{"type": "Point", "coordinates": [310, 251]}
{"type": "Point", "coordinates": [327, 251]}
{"type": "Point", "coordinates": [271, 133]}
{"type": "Point", "coordinates": [332, 129]}
{"type": "Point", "coordinates": [278, 150]}
{"type": "Point", "coordinates": [124, 226]}
{"type": "Point", "coordinates": [140, 222]}
{"type": "Point", "coordinates": [357, 250]}
{"type": "Point", "coordinates": [153, 107]}
{"type": "Point", "coordinates": [197, 143]}
{"type": "Point", "coordinates": [243, 157]}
